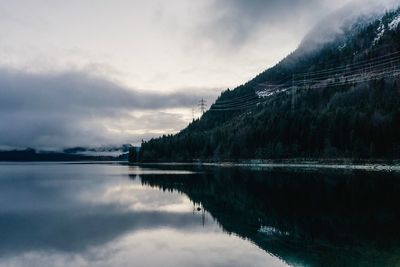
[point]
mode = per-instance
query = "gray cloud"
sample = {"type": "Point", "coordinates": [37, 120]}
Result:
{"type": "Point", "coordinates": [78, 91]}
{"type": "Point", "coordinates": [235, 22]}
{"type": "Point", "coordinates": [77, 108]}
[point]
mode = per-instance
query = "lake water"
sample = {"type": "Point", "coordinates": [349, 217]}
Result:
{"type": "Point", "coordinates": [60, 214]}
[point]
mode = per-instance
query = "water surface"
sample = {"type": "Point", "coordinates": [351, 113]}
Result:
{"type": "Point", "coordinates": [60, 214]}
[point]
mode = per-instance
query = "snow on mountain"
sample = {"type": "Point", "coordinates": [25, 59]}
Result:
{"type": "Point", "coordinates": [347, 22]}
{"type": "Point", "coordinates": [380, 33]}
{"type": "Point", "coordinates": [341, 25]}
{"type": "Point", "coordinates": [391, 24]}
{"type": "Point", "coordinates": [395, 23]}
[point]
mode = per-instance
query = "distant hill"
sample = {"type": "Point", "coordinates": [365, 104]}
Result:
{"type": "Point", "coordinates": [68, 154]}
{"type": "Point", "coordinates": [337, 95]}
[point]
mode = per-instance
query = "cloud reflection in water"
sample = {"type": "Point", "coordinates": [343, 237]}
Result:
{"type": "Point", "coordinates": [94, 215]}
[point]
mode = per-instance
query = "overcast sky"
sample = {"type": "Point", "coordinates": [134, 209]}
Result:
{"type": "Point", "coordinates": [83, 72]}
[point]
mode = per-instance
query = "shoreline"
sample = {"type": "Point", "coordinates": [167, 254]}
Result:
{"type": "Point", "coordinates": [340, 164]}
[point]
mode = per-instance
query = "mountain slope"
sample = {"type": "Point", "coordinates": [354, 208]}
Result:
{"type": "Point", "coordinates": [334, 98]}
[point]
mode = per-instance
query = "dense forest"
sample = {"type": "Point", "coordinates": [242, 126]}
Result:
{"type": "Point", "coordinates": [347, 117]}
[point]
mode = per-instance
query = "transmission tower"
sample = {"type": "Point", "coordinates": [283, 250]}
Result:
{"type": "Point", "coordinates": [202, 106]}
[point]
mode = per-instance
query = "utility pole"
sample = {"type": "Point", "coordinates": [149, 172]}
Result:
{"type": "Point", "coordinates": [202, 106]}
{"type": "Point", "coordinates": [192, 114]}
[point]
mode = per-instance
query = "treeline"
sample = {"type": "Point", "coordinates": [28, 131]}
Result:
{"type": "Point", "coordinates": [33, 155]}
{"type": "Point", "coordinates": [360, 122]}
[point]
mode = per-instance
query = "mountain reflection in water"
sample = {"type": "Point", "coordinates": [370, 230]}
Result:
{"type": "Point", "coordinates": [119, 215]}
{"type": "Point", "coordinates": [306, 218]}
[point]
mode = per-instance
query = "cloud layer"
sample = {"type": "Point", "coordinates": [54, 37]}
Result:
{"type": "Point", "coordinates": [236, 22]}
{"type": "Point", "coordinates": [77, 108]}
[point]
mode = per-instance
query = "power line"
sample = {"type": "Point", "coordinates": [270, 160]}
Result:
{"type": "Point", "coordinates": [237, 107]}
{"type": "Point", "coordinates": [371, 64]}
{"type": "Point", "coordinates": [234, 103]}
{"type": "Point", "coordinates": [328, 71]}
{"type": "Point", "coordinates": [361, 62]}
{"type": "Point", "coordinates": [385, 65]}
{"type": "Point", "coordinates": [365, 70]}
{"type": "Point", "coordinates": [235, 99]}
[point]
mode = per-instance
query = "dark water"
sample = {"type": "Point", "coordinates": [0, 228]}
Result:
{"type": "Point", "coordinates": [118, 215]}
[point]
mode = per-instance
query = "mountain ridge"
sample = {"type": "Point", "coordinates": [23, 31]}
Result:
{"type": "Point", "coordinates": [332, 102]}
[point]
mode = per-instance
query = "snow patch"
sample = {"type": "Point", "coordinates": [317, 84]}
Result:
{"type": "Point", "coordinates": [395, 23]}
{"type": "Point", "coordinates": [270, 92]}
{"type": "Point", "coordinates": [380, 33]}
{"type": "Point", "coordinates": [272, 231]}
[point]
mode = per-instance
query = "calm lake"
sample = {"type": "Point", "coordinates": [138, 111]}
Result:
{"type": "Point", "coordinates": [110, 214]}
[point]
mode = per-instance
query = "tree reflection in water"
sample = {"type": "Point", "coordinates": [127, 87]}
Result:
{"type": "Point", "coordinates": [306, 218]}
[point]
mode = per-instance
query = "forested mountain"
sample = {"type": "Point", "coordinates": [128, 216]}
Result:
{"type": "Point", "coordinates": [337, 95]}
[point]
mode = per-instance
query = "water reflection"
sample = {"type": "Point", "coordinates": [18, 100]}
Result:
{"type": "Point", "coordinates": [115, 215]}
{"type": "Point", "coordinates": [94, 215]}
{"type": "Point", "coordinates": [306, 218]}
